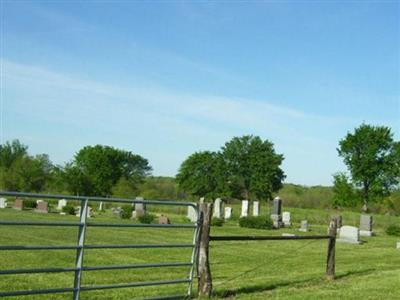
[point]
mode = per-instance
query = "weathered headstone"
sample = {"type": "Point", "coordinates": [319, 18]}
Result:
{"type": "Point", "coordinates": [398, 245]}
{"type": "Point", "coordinates": [202, 199]}
{"type": "Point", "coordinates": [304, 226]}
{"type": "Point", "coordinates": [3, 202]}
{"type": "Point", "coordinates": [101, 206]}
{"type": "Point", "coordinates": [42, 207]}
{"type": "Point", "coordinates": [349, 234]}
{"type": "Point", "coordinates": [276, 213]}
{"type": "Point", "coordinates": [18, 204]}
{"type": "Point", "coordinates": [228, 212]}
{"type": "Point", "coordinates": [191, 214]}
{"type": "Point", "coordinates": [61, 203]}
{"type": "Point", "coordinates": [140, 209]}
{"type": "Point", "coordinates": [366, 222]}
{"type": "Point", "coordinates": [38, 201]}
{"type": "Point", "coordinates": [117, 211]}
{"type": "Point", "coordinates": [217, 208]}
{"type": "Point", "coordinates": [163, 220]}
{"type": "Point", "coordinates": [286, 218]}
{"type": "Point", "coordinates": [245, 208]}
{"type": "Point", "coordinates": [256, 208]}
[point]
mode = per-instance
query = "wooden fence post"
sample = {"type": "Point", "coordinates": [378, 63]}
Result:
{"type": "Point", "coordinates": [330, 262]}
{"type": "Point", "coordinates": [205, 280]}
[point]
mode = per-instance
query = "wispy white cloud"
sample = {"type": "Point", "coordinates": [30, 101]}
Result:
{"type": "Point", "coordinates": [161, 124]}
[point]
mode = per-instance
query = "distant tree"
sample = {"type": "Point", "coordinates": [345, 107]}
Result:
{"type": "Point", "coordinates": [344, 194]}
{"type": "Point", "coordinates": [201, 174]}
{"type": "Point", "coordinates": [252, 167]}
{"type": "Point", "coordinates": [96, 169]}
{"type": "Point", "coordinates": [373, 159]}
{"type": "Point", "coordinates": [125, 188]}
{"type": "Point", "coordinates": [10, 152]}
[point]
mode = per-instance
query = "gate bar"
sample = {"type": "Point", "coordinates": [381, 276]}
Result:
{"type": "Point", "coordinates": [268, 238]}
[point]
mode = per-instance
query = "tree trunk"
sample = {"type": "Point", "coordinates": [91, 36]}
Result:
{"type": "Point", "coordinates": [205, 280]}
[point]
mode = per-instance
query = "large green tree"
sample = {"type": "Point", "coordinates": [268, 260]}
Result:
{"type": "Point", "coordinates": [252, 167]}
{"type": "Point", "coordinates": [96, 169]}
{"type": "Point", "coordinates": [373, 158]}
{"type": "Point", "coordinates": [201, 174]}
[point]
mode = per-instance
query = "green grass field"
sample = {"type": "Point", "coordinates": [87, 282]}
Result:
{"type": "Point", "coordinates": [240, 270]}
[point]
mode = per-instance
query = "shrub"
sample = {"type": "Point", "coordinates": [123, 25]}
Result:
{"type": "Point", "coordinates": [256, 222]}
{"type": "Point", "coordinates": [393, 230]}
{"type": "Point", "coordinates": [29, 203]}
{"type": "Point", "coordinates": [217, 222]}
{"type": "Point", "coordinates": [146, 218]}
{"type": "Point", "coordinates": [126, 212]}
{"type": "Point", "coordinates": [69, 209]}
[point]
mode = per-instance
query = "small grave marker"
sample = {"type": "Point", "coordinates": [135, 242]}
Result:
{"type": "Point", "coordinates": [304, 226]}
{"type": "Point", "coordinates": [42, 207]}
{"type": "Point", "coordinates": [217, 208]}
{"type": "Point", "coordinates": [61, 203]}
{"type": "Point", "coordinates": [245, 208]}
{"type": "Point", "coordinates": [18, 204]}
{"type": "Point", "coordinates": [366, 222]}
{"type": "Point", "coordinates": [256, 208]}
{"type": "Point", "coordinates": [228, 212]}
{"type": "Point", "coordinates": [286, 218]}
{"type": "Point", "coordinates": [349, 234]}
{"type": "Point", "coordinates": [3, 202]}
{"type": "Point", "coordinates": [163, 220]}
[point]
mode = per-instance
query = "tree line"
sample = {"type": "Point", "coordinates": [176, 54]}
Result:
{"type": "Point", "coordinates": [245, 167]}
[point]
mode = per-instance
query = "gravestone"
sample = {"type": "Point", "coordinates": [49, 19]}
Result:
{"type": "Point", "coordinates": [245, 209]}
{"type": "Point", "coordinates": [304, 226]}
{"type": "Point", "coordinates": [3, 202]}
{"type": "Point", "coordinates": [349, 234]}
{"type": "Point", "coordinates": [398, 245]}
{"type": "Point", "coordinates": [140, 208]}
{"type": "Point", "coordinates": [286, 218]}
{"type": "Point", "coordinates": [18, 204]}
{"type": "Point", "coordinates": [217, 208]}
{"type": "Point", "coordinates": [101, 206]}
{"type": "Point", "coordinates": [256, 208]}
{"type": "Point", "coordinates": [163, 220]}
{"type": "Point", "coordinates": [366, 222]}
{"type": "Point", "coordinates": [201, 200]}
{"type": "Point", "coordinates": [276, 213]}
{"type": "Point", "coordinates": [89, 212]}
{"type": "Point", "coordinates": [117, 211]}
{"type": "Point", "coordinates": [42, 207]}
{"type": "Point", "coordinates": [38, 201]}
{"type": "Point", "coordinates": [61, 203]}
{"type": "Point", "coordinates": [191, 214]}
{"type": "Point", "coordinates": [228, 213]}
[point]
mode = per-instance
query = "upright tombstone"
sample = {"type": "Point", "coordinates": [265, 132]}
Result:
{"type": "Point", "coordinates": [101, 206]}
{"type": "Point", "coordinates": [366, 222]}
{"type": "Point", "coordinates": [245, 209]}
{"type": "Point", "coordinates": [3, 202]}
{"type": "Point", "coordinates": [217, 208]}
{"type": "Point", "coordinates": [117, 211]}
{"type": "Point", "coordinates": [286, 219]}
{"type": "Point", "coordinates": [42, 207]}
{"type": "Point", "coordinates": [191, 214]}
{"type": "Point", "coordinates": [276, 214]}
{"type": "Point", "coordinates": [256, 208]}
{"type": "Point", "coordinates": [18, 204]}
{"type": "Point", "coordinates": [228, 213]}
{"type": "Point", "coordinates": [304, 226]}
{"type": "Point", "coordinates": [38, 201]}
{"type": "Point", "coordinates": [398, 245]}
{"type": "Point", "coordinates": [61, 203]}
{"type": "Point", "coordinates": [202, 199]}
{"type": "Point", "coordinates": [163, 220]}
{"type": "Point", "coordinates": [349, 234]}
{"type": "Point", "coordinates": [140, 208]}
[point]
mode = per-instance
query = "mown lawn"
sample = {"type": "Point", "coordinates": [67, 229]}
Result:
{"type": "Point", "coordinates": [241, 270]}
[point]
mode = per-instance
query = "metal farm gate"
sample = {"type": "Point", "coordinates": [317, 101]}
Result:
{"type": "Point", "coordinates": [80, 246]}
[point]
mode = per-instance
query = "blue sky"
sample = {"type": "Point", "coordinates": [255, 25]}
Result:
{"type": "Point", "coordinates": [166, 79]}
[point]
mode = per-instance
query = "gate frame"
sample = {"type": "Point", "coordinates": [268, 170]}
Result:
{"type": "Point", "coordinates": [82, 225]}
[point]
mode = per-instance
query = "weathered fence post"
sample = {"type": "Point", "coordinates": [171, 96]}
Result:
{"type": "Point", "coordinates": [330, 262]}
{"type": "Point", "coordinates": [205, 280]}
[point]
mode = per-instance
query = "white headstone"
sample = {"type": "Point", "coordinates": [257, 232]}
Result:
{"type": "Point", "coordinates": [304, 226]}
{"type": "Point", "coordinates": [245, 208]}
{"type": "Point", "coordinates": [201, 200]}
{"type": "Point", "coordinates": [366, 222]}
{"type": "Point", "coordinates": [38, 201]}
{"type": "Point", "coordinates": [228, 212]}
{"type": "Point", "coordinates": [101, 206]}
{"type": "Point", "coordinates": [286, 218]}
{"type": "Point", "coordinates": [61, 203]}
{"type": "Point", "coordinates": [398, 245]}
{"type": "Point", "coordinates": [256, 208]}
{"type": "Point", "coordinates": [191, 214]}
{"type": "Point", "coordinates": [349, 234]}
{"type": "Point", "coordinates": [217, 208]}
{"type": "Point", "coordinates": [3, 202]}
